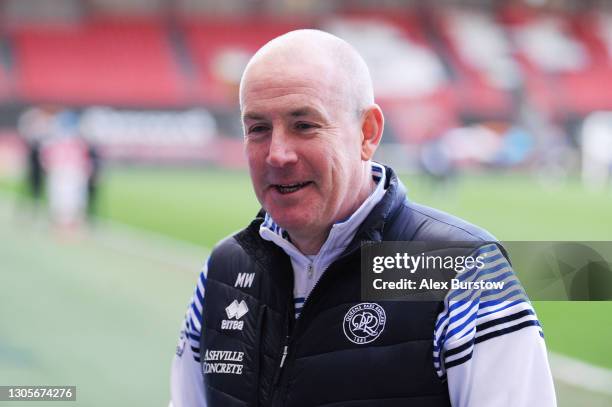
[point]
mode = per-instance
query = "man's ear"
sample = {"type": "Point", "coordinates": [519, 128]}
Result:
{"type": "Point", "coordinates": [371, 131]}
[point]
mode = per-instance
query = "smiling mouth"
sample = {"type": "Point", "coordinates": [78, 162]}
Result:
{"type": "Point", "coordinates": [290, 188]}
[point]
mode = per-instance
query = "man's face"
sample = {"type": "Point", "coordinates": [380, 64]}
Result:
{"type": "Point", "coordinates": [303, 145]}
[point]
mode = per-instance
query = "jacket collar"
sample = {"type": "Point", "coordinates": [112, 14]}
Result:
{"type": "Point", "coordinates": [372, 228]}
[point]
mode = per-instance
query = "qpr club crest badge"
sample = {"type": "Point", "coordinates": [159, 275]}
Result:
{"type": "Point", "coordinates": [364, 322]}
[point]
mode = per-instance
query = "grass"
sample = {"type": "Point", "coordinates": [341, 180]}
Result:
{"type": "Point", "coordinates": [75, 312]}
{"type": "Point", "coordinates": [202, 206]}
{"type": "Point", "coordinates": [196, 206]}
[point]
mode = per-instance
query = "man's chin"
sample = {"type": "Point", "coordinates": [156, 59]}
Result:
{"type": "Point", "coordinates": [291, 222]}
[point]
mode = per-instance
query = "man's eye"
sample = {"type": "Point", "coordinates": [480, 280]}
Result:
{"type": "Point", "coordinates": [304, 126]}
{"type": "Point", "coordinates": [258, 129]}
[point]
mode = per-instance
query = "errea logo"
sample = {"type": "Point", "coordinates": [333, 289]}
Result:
{"type": "Point", "coordinates": [235, 311]}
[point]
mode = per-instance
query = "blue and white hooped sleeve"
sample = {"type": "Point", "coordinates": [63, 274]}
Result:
{"type": "Point", "coordinates": [489, 344]}
{"type": "Point", "coordinates": [186, 381]}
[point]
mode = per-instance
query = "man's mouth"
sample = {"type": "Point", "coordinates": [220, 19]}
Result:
{"type": "Point", "coordinates": [290, 188]}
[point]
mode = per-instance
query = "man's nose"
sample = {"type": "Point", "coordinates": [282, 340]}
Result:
{"type": "Point", "coordinates": [282, 151]}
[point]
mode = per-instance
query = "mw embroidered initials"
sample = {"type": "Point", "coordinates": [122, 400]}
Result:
{"type": "Point", "coordinates": [244, 280]}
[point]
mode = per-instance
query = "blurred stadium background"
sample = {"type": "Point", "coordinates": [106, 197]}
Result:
{"type": "Point", "coordinates": [497, 111]}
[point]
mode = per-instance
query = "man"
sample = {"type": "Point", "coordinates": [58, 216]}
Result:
{"type": "Point", "coordinates": [266, 323]}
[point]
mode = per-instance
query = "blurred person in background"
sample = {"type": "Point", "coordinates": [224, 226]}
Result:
{"type": "Point", "coordinates": [596, 146]}
{"type": "Point", "coordinates": [275, 317]}
{"type": "Point", "coordinates": [93, 180]}
{"type": "Point", "coordinates": [35, 126]}
{"type": "Point", "coordinates": [66, 161]}
{"type": "Point", "coordinates": [35, 174]}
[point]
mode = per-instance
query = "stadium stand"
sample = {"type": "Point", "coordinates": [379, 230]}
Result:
{"type": "Point", "coordinates": [480, 56]}
{"type": "Point", "coordinates": [4, 84]}
{"type": "Point", "coordinates": [409, 78]}
{"type": "Point", "coordinates": [220, 47]}
{"type": "Point", "coordinates": [435, 67]}
{"type": "Point", "coordinates": [594, 30]}
{"type": "Point", "coordinates": [114, 61]}
{"type": "Point", "coordinates": [562, 58]}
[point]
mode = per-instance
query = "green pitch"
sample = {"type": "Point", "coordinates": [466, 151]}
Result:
{"type": "Point", "coordinates": [103, 313]}
{"type": "Point", "coordinates": [89, 314]}
{"type": "Point", "coordinates": [201, 206]}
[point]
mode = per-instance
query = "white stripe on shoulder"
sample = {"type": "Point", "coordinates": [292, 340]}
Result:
{"type": "Point", "coordinates": [473, 316]}
{"type": "Point", "coordinates": [192, 325]}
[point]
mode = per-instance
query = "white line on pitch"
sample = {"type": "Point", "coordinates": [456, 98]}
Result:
{"type": "Point", "coordinates": [150, 245]}
{"type": "Point", "coordinates": [581, 374]}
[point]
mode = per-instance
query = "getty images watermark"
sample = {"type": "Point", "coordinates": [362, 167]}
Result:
{"type": "Point", "coordinates": [486, 271]}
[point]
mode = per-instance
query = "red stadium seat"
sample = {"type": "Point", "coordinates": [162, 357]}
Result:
{"type": "Point", "coordinates": [127, 62]}
{"type": "Point", "coordinates": [409, 79]}
{"type": "Point", "coordinates": [587, 89]}
{"type": "Point", "coordinates": [220, 49]}
{"type": "Point", "coordinates": [566, 75]}
{"type": "Point", "coordinates": [479, 55]}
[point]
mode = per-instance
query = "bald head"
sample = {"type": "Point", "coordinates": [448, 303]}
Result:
{"type": "Point", "coordinates": [329, 58]}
